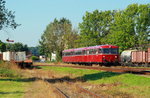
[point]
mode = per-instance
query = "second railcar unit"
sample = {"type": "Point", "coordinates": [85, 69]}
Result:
{"type": "Point", "coordinates": [102, 54]}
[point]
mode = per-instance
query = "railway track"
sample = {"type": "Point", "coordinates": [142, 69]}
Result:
{"type": "Point", "coordinates": [92, 94]}
{"type": "Point", "coordinates": [143, 71]}
{"type": "Point", "coordinates": [78, 93]}
{"type": "Point", "coordinates": [64, 88]}
{"type": "Point", "coordinates": [60, 93]}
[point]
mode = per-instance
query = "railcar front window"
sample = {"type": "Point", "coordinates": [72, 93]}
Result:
{"type": "Point", "coordinates": [106, 50]}
{"type": "Point", "coordinates": [114, 51]}
{"type": "Point", "coordinates": [109, 51]}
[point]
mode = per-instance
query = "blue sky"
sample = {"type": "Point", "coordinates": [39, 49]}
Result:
{"type": "Point", "coordinates": [35, 15]}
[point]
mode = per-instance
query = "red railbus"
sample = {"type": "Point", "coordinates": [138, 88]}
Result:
{"type": "Point", "coordinates": [102, 54]}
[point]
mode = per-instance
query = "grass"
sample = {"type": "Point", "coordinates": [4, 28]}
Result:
{"type": "Point", "coordinates": [86, 74]}
{"type": "Point", "coordinates": [115, 84]}
{"type": "Point", "coordinates": [40, 89]}
{"type": "Point", "coordinates": [9, 70]}
{"type": "Point", "coordinates": [12, 85]}
{"type": "Point", "coordinates": [12, 88]}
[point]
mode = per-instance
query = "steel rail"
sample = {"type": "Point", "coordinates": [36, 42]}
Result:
{"type": "Point", "coordinates": [84, 90]}
{"type": "Point", "coordinates": [58, 91]}
{"type": "Point", "coordinates": [61, 93]}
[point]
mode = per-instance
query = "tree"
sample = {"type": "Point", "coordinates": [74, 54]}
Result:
{"type": "Point", "coordinates": [34, 51]}
{"type": "Point", "coordinates": [95, 26]}
{"type": "Point", "coordinates": [57, 37]}
{"type": "Point", "coordinates": [7, 18]}
{"type": "Point", "coordinates": [130, 27]}
{"type": "Point", "coordinates": [121, 31]}
{"type": "Point", "coordinates": [2, 46]}
{"type": "Point", "coordinates": [142, 20]}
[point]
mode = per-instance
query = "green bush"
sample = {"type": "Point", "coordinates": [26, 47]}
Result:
{"type": "Point", "coordinates": [34, 58]}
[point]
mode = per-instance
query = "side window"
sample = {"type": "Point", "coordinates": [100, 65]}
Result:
{"type": "Point", "coordinates": [67, 53]}
{"type": "Point", "coordinates": [84, 52]}
{"type": "Point", "coordinates": [92, 51]}
{"type": "Point", "coordinates": [100, 50]}
{"type": "Point", "coordinates": [87, 52]}
{"type": "Point", "coordinates": [72, 53]}
{"type": "Point", "coordinates": [78, 52]}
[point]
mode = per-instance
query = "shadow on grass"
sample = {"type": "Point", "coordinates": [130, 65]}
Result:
{"type": "Point", "coordinates": [20, 80]}
{"type": "Point", "coordinates": [97, 76]}
{"type": "Point", "coordinates": [16, 92]}
{"type": "Point", "coordinates": [36, 67]}
{"type": "Point", "coordinates": [84, 78]}
{"type": "Point", "coordinates": [143, 72]}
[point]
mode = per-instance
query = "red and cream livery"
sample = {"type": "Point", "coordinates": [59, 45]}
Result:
{"type": "Point", "coordinates": [101, 54]}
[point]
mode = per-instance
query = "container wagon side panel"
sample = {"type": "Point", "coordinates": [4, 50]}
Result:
{"type": "Point", "coordinates": [143, 57]}
{"type": "Point", "coordinates": [19, 56]}
{"type": "Point", "coordinates": [22, 56]}
{"type": "Point", "coordinates": [6, 56]}
{"type": "Point", "coordinates": [139, 56]}
{"type": "Point", "coordinates": [13, 56]}
{"type": "Point", "coordinates": [133, 57]}
{"type": "Point", "coordinates": [1, 56]}
{"type": "Point", "coordinates": [148, 55]}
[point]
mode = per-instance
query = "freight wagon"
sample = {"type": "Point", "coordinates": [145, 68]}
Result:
{"type": "Point", "coordinates": [17, 57]}
{"type": "Point", "coordinates": [14, 56]}
{"type": "Point", "coordinates": [135, 57]}
{"type": "Point", "coordinates": [141, 57]}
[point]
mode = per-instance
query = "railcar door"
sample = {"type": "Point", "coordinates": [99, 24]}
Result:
{"type": "Point", "coordinates": [99, 55]}
{"type": "Point", "coordinates": [92, 55]}
{"type": "Point", "coordinates": [84, 57]}
{"type": "Point", "coordinates": [95, 56]}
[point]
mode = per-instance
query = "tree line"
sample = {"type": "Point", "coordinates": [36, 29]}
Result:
{"type": "Point", "coordinates": [15, 47]}
{"type": "Point", "coordinates": [128, 28]}
{"type": "Point", "coordinates": [125, 28]}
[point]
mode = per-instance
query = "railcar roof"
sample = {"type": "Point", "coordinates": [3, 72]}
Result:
{"type": "Point", "coordinates": [91, 47]}
{"type": "Point", "coordinates": [69, 50]}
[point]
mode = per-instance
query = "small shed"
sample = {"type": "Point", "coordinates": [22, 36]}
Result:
{"type": "Point", "coordinates": [53, 56]}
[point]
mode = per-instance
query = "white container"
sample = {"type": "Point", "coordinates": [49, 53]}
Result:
{"type": "Point", "coordinates": [7, 56]}
{"type": "Point", "coordinates": [14, 56]}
